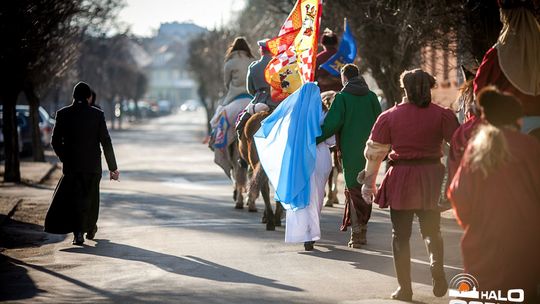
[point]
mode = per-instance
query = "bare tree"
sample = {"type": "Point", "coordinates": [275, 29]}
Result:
{"type": "Point", "coordinates": [205, 62]}
{"type": "Point", "coordinates": [392, 33]}
{"type": "Point", "coordinates": [107, 64]}
{"type": "Point", "coordinates": [39, 43]}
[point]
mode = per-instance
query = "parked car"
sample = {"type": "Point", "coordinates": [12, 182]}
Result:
{"type": "Point", "coordinates": [46, 125]}
{"type": "Point", "coordinates": [190, 105]}
{"type": "Point", "coordinates": [164, 107]}
{"type": "Point", "coordinates": [2, 152]}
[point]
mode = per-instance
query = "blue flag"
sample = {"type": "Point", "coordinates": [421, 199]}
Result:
{"type": "Point", "coordinates": [345, 54]}
{"type": "Point", "coordinates": [286, 144]}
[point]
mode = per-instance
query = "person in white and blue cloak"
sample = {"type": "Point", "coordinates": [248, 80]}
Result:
{"type": "Point", "coordinates": [296, 166]}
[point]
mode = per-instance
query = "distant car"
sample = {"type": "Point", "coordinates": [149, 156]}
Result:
{"type": "Point", "coordinates": [2, 152]}
{"type": "Point", "coordinates": [190, 105]}
{"type": "Point", "coordinates": [164, 107]}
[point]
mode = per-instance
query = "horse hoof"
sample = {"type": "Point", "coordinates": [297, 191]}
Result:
{"type": "Point", "coordinates": [278, 223]}
{"type": "Point", "coordinates": [239, 206]}
{"type": "Point", "coordinates": [329, 204]}
{"type": "Point", "coordinates": [264, 220]}
{"type": "Point", "coordinates": [270, 227]}
{"type": "Point", "coordinates": [252, 209]}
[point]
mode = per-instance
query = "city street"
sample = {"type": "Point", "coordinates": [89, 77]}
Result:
{"type": "Point", "coordinates": [169, 233]}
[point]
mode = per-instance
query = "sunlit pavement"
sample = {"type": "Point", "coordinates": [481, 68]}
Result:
{"type": "Point", "coordinates": [168, 233]}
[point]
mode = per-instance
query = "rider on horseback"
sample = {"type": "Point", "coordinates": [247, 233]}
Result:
{"type": "Point", "coordinates": [258, 88]}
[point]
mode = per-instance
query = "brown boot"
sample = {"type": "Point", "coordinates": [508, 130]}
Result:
{"type": "Point", "coordinates": [434, 246]}
{"type": "Point", "coordinates": [355, 241]}
{"type": "Point", "coordinates": [363, 234]}
{"type": "Point", "coordinates": [402, 264]}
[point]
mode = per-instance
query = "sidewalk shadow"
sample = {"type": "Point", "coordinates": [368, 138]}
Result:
{"type": "Point", "coordinates": [379, 261]}
{"type": "Point", "coordinates": [15, 283]}
{"type": "Point", "coordinates": [23, 287]}
{"type": "Point", "coordinates": [181, 265]}
{"type": "Point", "coordinates": [18, 234]}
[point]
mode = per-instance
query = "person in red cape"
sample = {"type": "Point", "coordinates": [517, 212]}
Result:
{"type": "Point", "coordinates": [496, 198]}
{"type": "Point", "coordinates": [513, 63]}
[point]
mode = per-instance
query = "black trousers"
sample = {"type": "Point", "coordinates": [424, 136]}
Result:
{"type": "Point", "coordinates": [430, 223]}
{"type": "Point", "coordinates": [401, 233]}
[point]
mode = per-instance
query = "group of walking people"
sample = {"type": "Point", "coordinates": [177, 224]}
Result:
{"type": "Point", "coordinates": [493, 169]}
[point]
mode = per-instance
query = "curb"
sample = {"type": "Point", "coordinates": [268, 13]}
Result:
{"type": "Point", "coordinates": [45, 176]}
{"type": "Point", "coordinates": [3, 217]}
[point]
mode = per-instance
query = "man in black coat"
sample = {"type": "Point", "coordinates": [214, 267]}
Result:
{"type": "Point", "coordinates": [79, 131]}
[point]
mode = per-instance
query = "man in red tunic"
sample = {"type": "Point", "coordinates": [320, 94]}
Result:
{"type": "Point", "coordinates": [414, 130]}
{"type": "Point", "coordinates": [325, 80]}
{"type": "Point", "coordinates": [496, 198]}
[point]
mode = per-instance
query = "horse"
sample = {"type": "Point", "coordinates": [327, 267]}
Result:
{"type": "Point", "coordinates": [224, 143]}
{"type": "Point", "coordinates": [332, 198]}
{"type": "Point", "coordinates": [332, 193]}
{"type": "Point", "coordinates": [259, 182]}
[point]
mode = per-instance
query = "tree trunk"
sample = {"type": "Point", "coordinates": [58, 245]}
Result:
{"type": "Point", "coordinates": [110, 104]}
{"type": "Point", "coordinates": [37, 145]}
{"type": "Point", "coordinates": [201, 91]}
{"type": "Point", "coordinates": [137, 111]}
{"type": "Point", "coordinates": [389, 84]}
{"type": "Point", "coordinates": [12, 171]}
{"type": "Point", "coordinates": [56, 100]}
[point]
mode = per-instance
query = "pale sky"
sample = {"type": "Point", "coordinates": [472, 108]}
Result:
{"type": "Point", "coordinates": [146, 15]}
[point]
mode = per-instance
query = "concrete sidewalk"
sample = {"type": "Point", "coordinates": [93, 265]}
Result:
{"type": "Point", "coordinates": [33, 174]}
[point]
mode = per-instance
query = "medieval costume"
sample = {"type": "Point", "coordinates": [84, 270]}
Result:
{"type": "Point", "coordinates": [498, 204]}
{"type": "Point", "coordinates": [325, 80]}
{"type": "Point", "coordinates": [223, 140]}
{"type": "Point", "coordinates": [295, 165]}
{"type": "Point", "coordinates": [257, 87]}
{"type": "Point", "coordinates": [79, 131]}
{"type": "Point", "coordinates": [351, 117]}
{"type": "Point", "coordinates": [414, 130]}
{"type": "Point", "coordinates": [459, 142]}
{"type": "Point", "coordinates": [303, 225]}
{"type": "Point", "coordinates": [513, 63]}
{"type": "Point", "coordinates": [235, 73]}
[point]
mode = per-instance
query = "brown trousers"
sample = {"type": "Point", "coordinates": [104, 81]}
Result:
{"type": "Point", "coordinates": [357, 211]}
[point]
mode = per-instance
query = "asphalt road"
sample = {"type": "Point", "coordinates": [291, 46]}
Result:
{"type": "Point", "coordinates": [168, 233]}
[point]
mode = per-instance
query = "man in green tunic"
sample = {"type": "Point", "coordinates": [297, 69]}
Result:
{"type": "Point", "coordinates": [351, 118]}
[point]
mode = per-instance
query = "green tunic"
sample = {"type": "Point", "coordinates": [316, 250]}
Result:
{"type": "Point", "coordinates": [351, 117]}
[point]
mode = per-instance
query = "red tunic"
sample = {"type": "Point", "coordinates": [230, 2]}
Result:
{"type": "Point", "coordinates": [489, 73]}
{"type": "Point", "coordinates": [459, 142]}
{"type": "Point", "coordinates": [415, 134]}
{"type": "Point", "coordinates": [323, 57]}
{"type": "Point", "coordinates": [500, 215]}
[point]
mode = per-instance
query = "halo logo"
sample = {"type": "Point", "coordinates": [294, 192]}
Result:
{"type": "Point", "coordinates": [465, 286]}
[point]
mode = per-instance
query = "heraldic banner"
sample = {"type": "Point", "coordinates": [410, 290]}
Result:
{"type": "Point", "coordinates": [294, 50]}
